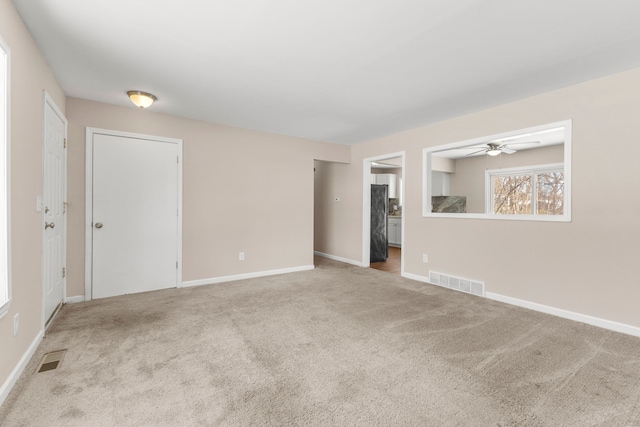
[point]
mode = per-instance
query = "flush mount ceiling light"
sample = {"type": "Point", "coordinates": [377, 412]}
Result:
{"type": "Point", "coordinates": [141, 99]}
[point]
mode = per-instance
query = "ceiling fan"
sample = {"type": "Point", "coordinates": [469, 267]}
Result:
{"type": "Point", "coordinates": [494, 148]}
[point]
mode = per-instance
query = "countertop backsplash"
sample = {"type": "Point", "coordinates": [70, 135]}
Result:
{"type": "Point", "coordinates": [395, 209]}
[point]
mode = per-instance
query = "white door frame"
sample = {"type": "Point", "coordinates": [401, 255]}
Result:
{"type": "Point", "coordinates": [88, 229]}
{"type": "Point", "coordinates": [366, 207]}
{"type": "Point", "coordinates": [48, 102]}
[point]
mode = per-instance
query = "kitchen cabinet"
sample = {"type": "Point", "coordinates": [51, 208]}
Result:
{"type": "Point", "coordinates": [388, 179]}
{"type": "Point", "coordinates": [440, 183]}
{"type": "Point", "coordinates": [395, 231]}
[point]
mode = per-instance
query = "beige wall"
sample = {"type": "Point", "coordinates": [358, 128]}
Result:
{"type": "Point", "coordinates": [587, 266]}
{"type": "Point", "coordinates": [30, 77]}
{"type": "Point", "coordinates": [469, 177]}
{"type": "Point", "coordinates": [442, 164]}
{"type": "Point", "coordinates": [243, 191]}
{"type": "Point", "coordinates": [337, 224]}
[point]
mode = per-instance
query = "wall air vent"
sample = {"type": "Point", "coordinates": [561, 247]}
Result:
{"type": "Point", "coordinates": [457, 283]}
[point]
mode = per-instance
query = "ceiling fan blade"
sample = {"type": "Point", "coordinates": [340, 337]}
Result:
{"type": "Point", "coordinates": [525, 142]}
{"type": "Point", "coordinates": [472, 147]}
{"type": "Point", "coordinates": [476, 152]}
{"type": "Point", "coordinates": [507, 150]}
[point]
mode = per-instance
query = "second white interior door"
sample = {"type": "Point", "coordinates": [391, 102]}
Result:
{"type": "Point", "coordinates": [135, 215]}
{"type": "Point", "coordinates": [54, 209]}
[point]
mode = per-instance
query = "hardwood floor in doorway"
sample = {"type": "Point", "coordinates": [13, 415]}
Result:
{"type": "Point", "coordinates": [392, 264]}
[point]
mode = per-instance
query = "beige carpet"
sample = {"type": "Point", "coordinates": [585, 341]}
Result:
{"type": "Point", "coordinates": [337, 346]}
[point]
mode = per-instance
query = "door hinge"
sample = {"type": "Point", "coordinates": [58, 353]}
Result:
{"type": "Point", "coordinates": [177, 159]}
{"type": "Point", "coordinates": [65, 143]}
{"type": "Point", "coordinates": [64, 272]}
{"type": "Point", "coordinates": [176, 264]}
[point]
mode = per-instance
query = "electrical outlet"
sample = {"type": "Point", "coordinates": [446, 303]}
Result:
{"type": "Point", "coordinates": [16, 324]}
{"type": "Point", "coordinates": [425, 258]}
{"type": "Point", "coordinates": [241, 256]}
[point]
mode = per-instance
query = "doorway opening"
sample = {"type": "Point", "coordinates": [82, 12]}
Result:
{"type": "Point", "coordinates": [383, 221]}
{"type": "Point", "coordinates": [393, 264]}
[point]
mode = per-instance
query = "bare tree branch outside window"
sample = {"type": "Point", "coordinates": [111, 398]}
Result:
{"type": "Point", "coordinates": [514, 194]}
{"type": "Point", "coordinates": [550, 193]}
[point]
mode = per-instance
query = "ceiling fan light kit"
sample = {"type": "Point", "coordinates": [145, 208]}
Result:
{"type": "Point", "coordinates": [495, 149]}
{"type": "Point", "coordinates": [141, 99]}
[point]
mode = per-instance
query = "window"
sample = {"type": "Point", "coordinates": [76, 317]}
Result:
{"type": "Point", "coordinates": [536, 190]}
{"type": "Point", "coordinates": [5, 284]}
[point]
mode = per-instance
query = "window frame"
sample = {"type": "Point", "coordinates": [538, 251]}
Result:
{"type": "Point", "coordinates": [5, 174]}
{"type": "Point", "coordinates": [533, 171]}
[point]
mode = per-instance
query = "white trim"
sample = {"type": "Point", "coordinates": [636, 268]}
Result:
{"type": "Point", "coordinates": [88, 229]}
{"type": "Point", "coordinates": [223, 279]}
{"type": "Point", "coordinates": [88, 214]}
{"type": "Point", "coordinates": [366, 206]}
{"type": "Point", "coordinates": [366, 214]}
{"type": "Point", "coordinates": [568, 144]}
{"type": "Point", "coordinates": [578, 317]}
{"type": "Point", "coordinates": [110, 132]}
{"type": "Point", "coordinates": [4, 308]}
{"type": "Point", "coordinates": [49, 102]}
{"type": "Point", "coordinates": [338, 258]}
{"type": "Point", "coordinates": [19, 369]}
{"type": "Point", "coordinates": [559, 312]}
{"type": "Point", "coordinates": [541, 218]}
{"type": "Point", "coordinates": [179, 248]}
{"type": "Point", "coordinates": [426, 167]}
{"type": "Point", "coordinates": [5, 144]}
{"type": "Point", "coordinates": [74, 300]}
{"type": "Point", "coordinates": [417, 277]}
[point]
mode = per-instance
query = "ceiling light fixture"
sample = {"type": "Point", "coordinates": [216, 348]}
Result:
{"type": "Point", "coordinates": [141, 99]}
{"type": "Point", "coordinates": [494, 151]}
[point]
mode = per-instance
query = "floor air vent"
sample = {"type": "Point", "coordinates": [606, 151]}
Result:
{"type": "Point", "coordinates": [51, 361]}
{"type": "Point", "coordinates": [458, 283]}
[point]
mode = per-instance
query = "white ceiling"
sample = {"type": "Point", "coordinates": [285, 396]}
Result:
{"type": "Point", "coordinates": [342, 71]}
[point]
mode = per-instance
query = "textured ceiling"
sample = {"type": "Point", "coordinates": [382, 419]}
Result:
{"type": "Point", "coordinates": [342, 71]}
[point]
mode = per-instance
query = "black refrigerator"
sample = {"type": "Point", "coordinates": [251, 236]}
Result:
{"type": "Point", "coordinates": [379, 212]}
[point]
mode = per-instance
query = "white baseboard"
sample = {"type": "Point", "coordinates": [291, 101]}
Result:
{"type": "Point", "coordinates": [74, 300]}
{"type": "Point", "coordinates": [17, 371]}
{"type": "Point", "coordinates": [223, 279]}
{"type": "Point", "coordinates": [337, 258]}
{"type": "Point", "coordinates": [578, 317]}
{"type": "Point", "coordinates": [416, 277]}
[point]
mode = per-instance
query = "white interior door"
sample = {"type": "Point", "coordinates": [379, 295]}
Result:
{"type": "Point", "coordinates": [54, 208]}
{"type": "Point", "coordinates": [135, 215]}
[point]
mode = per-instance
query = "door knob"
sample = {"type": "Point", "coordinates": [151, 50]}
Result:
{"type": "Point", "coordinates": [49, 225]}
{"type": "Point", "coordinates": [98, 225]}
